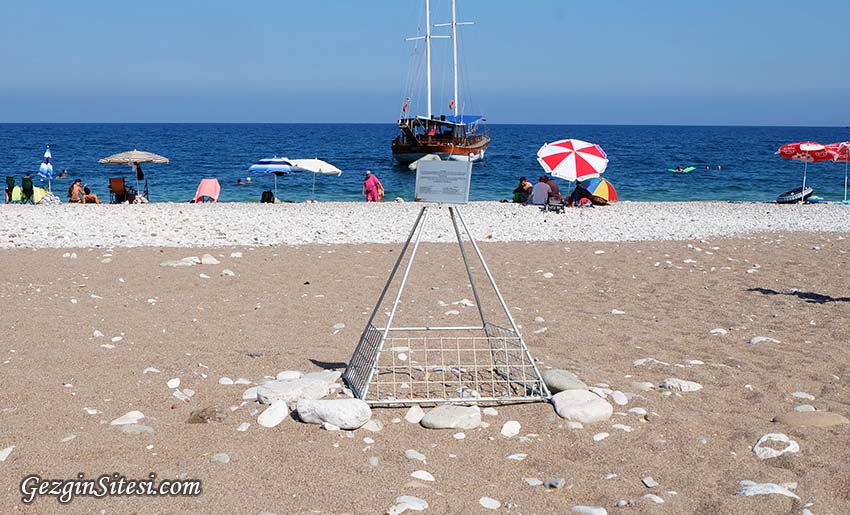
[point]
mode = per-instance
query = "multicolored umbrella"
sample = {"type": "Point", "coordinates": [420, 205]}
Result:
{"type": "Point", "coordinates": [841, 152]}
{"type": "Point", "coordinates": [45, 170]}
{"type": "Point", "coordinates": [601, 188]}
{"type": "Point", "coordinates": [573, 159]}
{"type": "Point", "coordinates": [807, 152]}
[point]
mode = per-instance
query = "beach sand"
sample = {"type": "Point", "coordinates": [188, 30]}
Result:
{"type": "Point", "coordinates": [282, 306]}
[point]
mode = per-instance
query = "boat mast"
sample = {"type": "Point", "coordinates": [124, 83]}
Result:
{"type": "Point", "coordinates": [428, 37]}
{"type": "Point", "coordinates": [454, 24]}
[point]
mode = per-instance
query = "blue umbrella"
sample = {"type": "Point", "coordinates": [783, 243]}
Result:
{"type": "Point", "coordinates": [275, 165]}
{"type": "Point", "coordinates": [45, 171]}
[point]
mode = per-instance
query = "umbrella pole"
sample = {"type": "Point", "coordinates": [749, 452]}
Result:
{"type": "Point", "coordinates": [275, 187]}
{"type": "Point", "coordinates": [803, 191]}
{"type": "Point", "coordinates": [314, 187]}
{"type": "Point", "coordinates": [845, 177]}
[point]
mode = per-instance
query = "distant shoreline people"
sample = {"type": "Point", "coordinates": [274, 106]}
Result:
{"type": "Point", "coordinates": [372, 188]}
{"type": "Point", "coordinates": [76, 192]}
{"type": "Point", "coordinates": [718, 168]}
{"type": "Point", "coordinates": [89, 197]}
{"type": "Point", "coordinates": [63, 174]}
{"type": "Point", "coordinates": [522, 191]}
{"type": "Point", "coordinates": [239, 182]}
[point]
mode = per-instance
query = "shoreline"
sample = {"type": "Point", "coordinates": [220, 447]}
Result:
{"type": "Point", "coordinates": [186, 225]}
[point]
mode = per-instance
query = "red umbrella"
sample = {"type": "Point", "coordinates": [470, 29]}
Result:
{"type": "Point", "coordinates": [573, 159]}
{"type": "Point", "coordinates": [841, 152]}
{"type": "Point", "coordinates": [807, 152]}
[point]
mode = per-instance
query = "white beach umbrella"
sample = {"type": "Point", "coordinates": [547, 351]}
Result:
{"type": "Point", "coordinates": [314, 166]}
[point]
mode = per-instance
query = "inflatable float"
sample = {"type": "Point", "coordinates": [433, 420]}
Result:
{"type": "Point", "coordinates": [794, 196]}
{"type": "Point", "coordinates": [685, 170]}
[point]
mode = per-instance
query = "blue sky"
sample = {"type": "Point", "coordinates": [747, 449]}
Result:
{"type": "Point", "coordinates": [757, 62]}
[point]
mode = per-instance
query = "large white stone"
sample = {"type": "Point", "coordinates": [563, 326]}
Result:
{"type": "Point", "coordinates": [274, 414]}
{"type": "Point", "coordinates": [681, 385]}
{"type": "Point", "coordinates": [414, 414]}
{"type": "Point", "coordinates": [581, 406]}
{"type": "Point", "coordinates": [407, 502]}
{"type": "Point", "coordinates": [310, 387]}
{"type": "Point", "coordinates": [452, 417]}
{"type": "Point", "coordinates": [343, 413]}
{"type": "Point", "coordinates": [510, 428]}
{"type": "Point", "coordinates": [750, 488]}
{"type": "Point", "coordinates": [208, 259]}
{"type": "Point", "coordinates": [560, 380]}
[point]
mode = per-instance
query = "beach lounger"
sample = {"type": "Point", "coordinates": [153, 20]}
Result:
{"type": "Point", "coordinates": [119, 191]}
{"type": "Point", "coordinates": [26, 190]}
{"type": "Point", "coordinates": [10, 187]}
{"type": "Point", "coordinates": [208, 191]}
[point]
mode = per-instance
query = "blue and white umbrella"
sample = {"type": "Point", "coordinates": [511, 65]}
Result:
{"type": "Point", "coordinates": [45, 171]}
{"type": "Point", "coordinates": [275, 165]}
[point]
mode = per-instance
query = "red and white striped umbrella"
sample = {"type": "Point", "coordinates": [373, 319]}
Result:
{"type": "Point", "coordinates": [573, 159]}
{"type": "Point", "coordinates": [807, 152]}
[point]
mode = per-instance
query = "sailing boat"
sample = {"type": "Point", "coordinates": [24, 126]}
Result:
{"type": "Point", "coordinates": [455, 136]}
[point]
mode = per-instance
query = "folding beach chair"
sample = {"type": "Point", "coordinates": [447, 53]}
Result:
{"type": "Point", "coordinates": [119, 191]}
{"type": "Point", "coordinates": [26, 190]}
{"type": "Point", "coordinates": [10, 187]}
{"type": "Point", "coordinates": [554, 205]}
{"type": "Point", "coordinates": [208, 191]}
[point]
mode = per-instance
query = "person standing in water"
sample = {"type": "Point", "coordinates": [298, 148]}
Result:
{"type": "Point", "coordinates": [372, 188]}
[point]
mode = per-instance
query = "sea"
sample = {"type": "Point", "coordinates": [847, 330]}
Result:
{"type": "Point", "coordinates": [732, 163]}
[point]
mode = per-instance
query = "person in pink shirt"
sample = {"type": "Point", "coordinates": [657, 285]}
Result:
{"type": "Point", "coordinates": [372, 188]}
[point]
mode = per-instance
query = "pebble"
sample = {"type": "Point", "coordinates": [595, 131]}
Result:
{"type": "Point", "coordinates": [208, 259]}
{"type": "Point", "coordinates": [581, 406]}
{"type": "Point", "coordinates": [804, 395]}
{"type": "Point", "coordinates": [681, 385]}
{"type": "Point", "coordinates": [533, 481]}
{"type": "Point", "coordinates": [598, 437]}
{"type": "Point", "coordinates": [374, 425]}
{"type": "Point", "coordinates": [767, 452]}
{"type": "Point", "coordinates": [422, 475]}
{"type": "Point", "coordinates": [243, 427]}
{"type": "Point", "coordinates": [373, 461]}
{"type": "Point", "coordinates": [6, 452]}
{"type": "Point", "coordinates": [589, 510]}
{"type": "Point", "coordinates": [719, 331]}
{"type": "Point", "coordinates": [490, 412]}
{"type": "Point", "coordinates": [97, 334]}
{"type": "Point", "coordinates": [560, 380]}
{"type": "Point", "coordinates": [750, 488]}
{"type": "Point", "coordinates": [69, 438]}
{"type": "Point", "coordinates": [619, 398]}
{"type": "Point", "coordinates": [415, 414]}
{"type": "Point", "coordinates": [225, 381]}
{"type": "Point", "coordinates": [452, 417]}
{"type": "Point", "coordinates": [548, 275]}
{"type": "Point", "coordinates": [510, 428]}
{"type": "Point", "coordinates": [150, 370]}
{"type": "Point", "coordinates": [812, 418]}
{"type": "Point", "coordinates": [368, 441]}
{"type": "Point", "coordinates": [407, 502]}
{"type": "Point", "coordinates": [412, 454]}
{"type": "Point", "coordinates": [623, 427]}
{"type": "Point", "coordinates": [236, 255]}
{"type": "Point", "coordinates": [136, 429]}
{"type": "Point", "coordinates": [638, 411]}
{"type": "Point", "coordinates": [203, 276]}
{"type": "Point", "coordinates": [221, 457]}
{"type": "Point", "coordinates": [116, 339]}
{"type": "Point", "coordinates": [762, 339]}
{"type": "Point", "coordinates": [459, 436]}
{"type": "Point", "coordinates": [654, 498]}
{"type": "Point", "coordinates": [617, 312]}
{"type": "Point", "coordinates": [274, 414]}
{"type": "Point", "coordinates": [91, 411]}
{"type": "Point", "coordinates": [173, 383]}
{"type": "Point", "coordinates": [289, 375]}
{"type": "Point", "coordinates": [131, 417]}
{"type": "Point", "coordinates": [517, 457]}
{"type": "Point", "coordinates": [555, 483]}
{"type": "Point", "coordinates": [228, 273]}
{"type": "Point", "coordinates": [649, 482]}
{"type": "Point", "coordinates": [489, 503]}
{"type": "Point", "coordinates": [539, 320]}
{"type": "Point", "coordinates": [804, 408]}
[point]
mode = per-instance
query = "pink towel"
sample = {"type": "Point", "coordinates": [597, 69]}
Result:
{"type": "Point", "coordinates": [208, 188]}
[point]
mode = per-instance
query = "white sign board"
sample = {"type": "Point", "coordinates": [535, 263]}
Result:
{"type": "Point", "coordinates": [443, 181]}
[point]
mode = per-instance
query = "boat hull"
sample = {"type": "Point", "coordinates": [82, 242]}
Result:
{"type": "Point", "coordinates": [472, 151]}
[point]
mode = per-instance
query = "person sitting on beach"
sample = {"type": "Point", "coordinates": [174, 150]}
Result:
{"type": "Point", "coordinates": [523, 191]}
{"type": "Point", "coordinates": [75, 192]}
{"type": "Point", "coordinates": [372, 188]}
{"type": "Point", "coordinates": [555, 194]}
{"type": "Point", "coordinates": [540, 192]}
{"type": "Point", "coordinates": [89, 197]}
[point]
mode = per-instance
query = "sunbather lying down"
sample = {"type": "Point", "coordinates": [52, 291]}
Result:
{"type": "Point", "coordinates": [581, 197]}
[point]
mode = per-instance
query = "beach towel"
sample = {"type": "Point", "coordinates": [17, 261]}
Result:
{"type": "Point", "coordinates": [208, 188]}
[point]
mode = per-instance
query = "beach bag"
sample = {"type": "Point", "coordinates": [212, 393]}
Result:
{"type": "Point", "coordinates": [267, 197]}
{"type": "Point", "coordinates": [380, 191]}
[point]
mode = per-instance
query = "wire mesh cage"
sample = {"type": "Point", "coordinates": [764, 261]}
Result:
{"type": "Point", "coordinates": [481, 363]}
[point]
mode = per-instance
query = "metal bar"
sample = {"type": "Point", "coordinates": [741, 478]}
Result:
{"type": "Point", "coordinates": [466, 264]}
{"type": "Point", "coordinates": [430, 328]}
{"type": "Point", "coordinates": [544, 389]}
